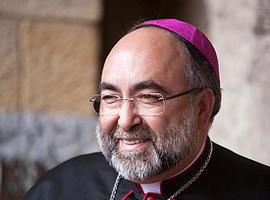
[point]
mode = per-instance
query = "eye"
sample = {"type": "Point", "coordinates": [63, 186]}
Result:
{"type": "Point", "coordinates": [109, 99]}
{"type": "Point", "coordinates": [150, 98]}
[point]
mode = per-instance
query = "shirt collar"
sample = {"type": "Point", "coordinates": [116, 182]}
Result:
{"type": "Point", "coordinates": [168, 186]}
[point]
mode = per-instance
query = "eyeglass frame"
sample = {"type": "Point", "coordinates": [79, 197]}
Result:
{"type": "Point", "coordinates": [93, 99]}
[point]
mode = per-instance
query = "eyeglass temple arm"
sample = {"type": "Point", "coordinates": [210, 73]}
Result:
{"type": "Point", "coordinates": [183, 93]}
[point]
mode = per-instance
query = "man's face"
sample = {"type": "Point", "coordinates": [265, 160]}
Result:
{"type": "Point", "coordinates": [140, 147]}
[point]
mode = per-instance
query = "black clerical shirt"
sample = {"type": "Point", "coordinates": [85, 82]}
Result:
{"type": "Point", "coordinates": [228, 176]}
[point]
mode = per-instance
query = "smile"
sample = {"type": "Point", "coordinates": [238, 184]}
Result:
{"type": "Point", "coordinates": [133, 144]}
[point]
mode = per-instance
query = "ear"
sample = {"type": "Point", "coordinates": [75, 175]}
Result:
{"type": "Point", "coordinates": [206, 104]}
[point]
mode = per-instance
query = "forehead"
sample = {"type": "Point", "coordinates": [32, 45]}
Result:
{"type": "Point", "coordinates": [145, 54]}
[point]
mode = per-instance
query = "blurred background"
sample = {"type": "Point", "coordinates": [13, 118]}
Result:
{"type": "Point", "coordinates": [51, 56]}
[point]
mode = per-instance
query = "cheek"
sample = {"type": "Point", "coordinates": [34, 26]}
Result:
{"type": "Point", "coordinates": [169, 119]}
{"type": "Point", "coordinates": [107, 124]}
{"type": "Point", "coordinates": [157, 123]}
{"type": "Point", "coordinates": [175, 112]}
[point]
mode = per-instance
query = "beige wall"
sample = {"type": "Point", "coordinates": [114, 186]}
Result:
{"type": "Point", "coordinates": [49, 66]}
{"type": "Point", "coordinates": [49, 55]}
{"type": "Point", "coordinates": [240, 32]}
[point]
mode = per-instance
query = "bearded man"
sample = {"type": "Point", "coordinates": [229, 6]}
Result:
{"type": "Point", "coordinates": [159, 94]}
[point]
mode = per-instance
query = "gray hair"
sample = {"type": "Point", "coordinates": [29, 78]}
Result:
{"type": "Point", "coordinates": [199, 73]}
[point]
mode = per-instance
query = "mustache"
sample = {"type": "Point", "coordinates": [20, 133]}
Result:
{"type": "Point", "coordinates": [139, 132]}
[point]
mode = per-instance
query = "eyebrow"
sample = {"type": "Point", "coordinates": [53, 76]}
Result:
{"type": "Point", "coordinates": [108, 86]}
{"type": "Point", "coordinates": [147, 84]}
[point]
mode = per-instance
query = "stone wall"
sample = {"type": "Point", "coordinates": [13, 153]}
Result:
{"type": "Point", "coordinates": [49, 66]}
{"type": "Point", "coordinates": [49, 56]}
{"type": "Point", "coordinates": [240, 32]}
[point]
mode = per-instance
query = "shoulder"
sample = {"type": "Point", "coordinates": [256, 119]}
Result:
{"type": "Point", "coordinates": [77, 176]}
{"type": "Point", "coordinates": [241, 176]}
{"type": "Point", "coordinates": [231, 160]}
{"type": "Point", "coordinates": [91, 164]}
{"type": "Point", "coordinates": [92, 160]}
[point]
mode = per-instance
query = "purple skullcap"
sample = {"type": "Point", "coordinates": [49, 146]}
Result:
{"type": "Point", "coordinates": [192, 35]}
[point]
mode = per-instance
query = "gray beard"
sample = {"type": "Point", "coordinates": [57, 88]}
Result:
{"type": "Point", "coordinates": [169, 147]}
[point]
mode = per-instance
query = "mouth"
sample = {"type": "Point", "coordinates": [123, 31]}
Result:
{"type": "Point", "coordinates": [133, 144]}
{"type": "Point", "coordinates": [133, 141]}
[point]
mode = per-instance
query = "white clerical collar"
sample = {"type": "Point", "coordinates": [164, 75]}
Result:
{"type": "Point", "coordinates": [155, 187]}
{"type": "Point", "coordinates": [151, 187]}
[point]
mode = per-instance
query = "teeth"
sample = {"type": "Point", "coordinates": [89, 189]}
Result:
{"type": "Point", "coordinates": [130, 142]}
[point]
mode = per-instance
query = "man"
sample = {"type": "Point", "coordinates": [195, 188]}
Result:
{"type": "Point", "coordinates": [159, 94]}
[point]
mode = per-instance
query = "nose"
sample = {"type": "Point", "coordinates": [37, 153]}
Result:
{"type": "Point", "coordinates": [128, 117]}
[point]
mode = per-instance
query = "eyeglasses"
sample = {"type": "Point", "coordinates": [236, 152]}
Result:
{"type": "Point", "coordinates": [145, 104]}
